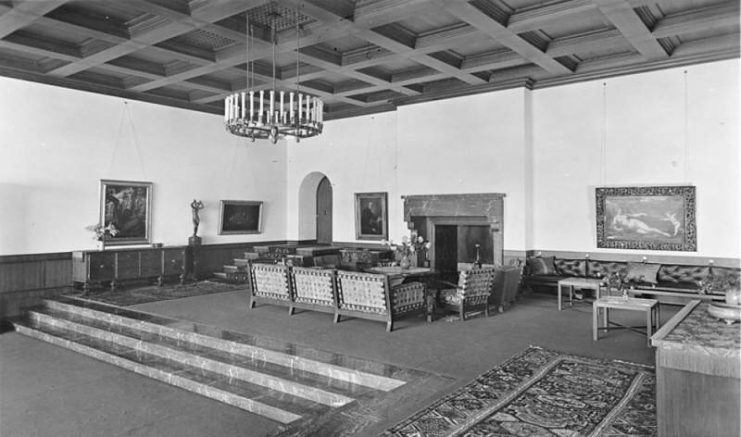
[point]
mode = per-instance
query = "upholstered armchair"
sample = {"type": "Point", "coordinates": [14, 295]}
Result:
{"type": "Point", "coordinates": [471, 293]}
{"type": "Point", "coordinates": [314, 289]}
{"type": "Point", "coordinates": [370, 296]}
{"type": "Point", "coordinates": [506, 284]}
{"type": "Point", "coordinates": [271, 283]}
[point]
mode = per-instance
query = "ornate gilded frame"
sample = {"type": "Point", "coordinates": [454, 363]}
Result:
{"type": "Point", "coordinates": [128, 206]}
{"type": "Point", "coordinates": [648, 218]}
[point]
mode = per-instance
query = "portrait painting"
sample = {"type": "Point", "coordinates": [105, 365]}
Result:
{"type": "Point", "coordinates": [240, 217]}
{"type": "Point", "coordinates": [651, 218]}
{"type": "Point", "coordinates": [126, 206]}
{"type": "Point", "coordinates": [371, 217]}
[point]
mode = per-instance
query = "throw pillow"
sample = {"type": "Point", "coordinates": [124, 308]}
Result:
{"type": "Point", "coordinates": [571, 267]}
{"type": "Point", "coordinates": [642, 272]}
{"type": "Point", "coordinates": [542, 265]}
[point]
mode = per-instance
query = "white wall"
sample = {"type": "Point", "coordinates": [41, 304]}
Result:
{"type": "Point", "coordinates": [661, 128]}
{"type": "Point", "coordinates": [57, 144]}
{"type": "Point", "coordinates": [546, 150]}
{"type": "Point", "coordinates": [470, 144]}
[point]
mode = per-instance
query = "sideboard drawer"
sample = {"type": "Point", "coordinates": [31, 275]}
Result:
{"type": "Point", "coordinates": [127, 265]}
{"type": "Point", "coordinates": [173, 262]}
{"type": "Point", "coordinates": [150, 263]}
{"type": "Point", "coordinates": [102, 266]}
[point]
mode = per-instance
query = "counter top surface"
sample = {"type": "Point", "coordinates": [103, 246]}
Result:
{"type": "Point", "coordinates": [701, 332]}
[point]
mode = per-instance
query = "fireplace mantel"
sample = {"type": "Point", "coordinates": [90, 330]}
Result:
{"type": "Point", "coordinates": [422, 210]}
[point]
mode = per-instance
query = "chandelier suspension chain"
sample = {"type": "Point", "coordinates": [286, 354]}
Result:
{"type": "Point", "coordinates": [273, 114]}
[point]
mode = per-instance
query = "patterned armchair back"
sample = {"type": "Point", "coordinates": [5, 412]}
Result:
{"type": "Point", "coordinates": [314, 286]}
{"type": "Point", "coordinates": [476, 282]}
{"type": "Point", "coordinates": [271, 280]}
{"type": "Point", "coordinates": [360, 291]}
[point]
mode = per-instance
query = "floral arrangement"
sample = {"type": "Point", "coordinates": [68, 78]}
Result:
{"type": "Point", "coordinates": [102, 233]}
{"type": "Point", "coordinates": [409, 245]}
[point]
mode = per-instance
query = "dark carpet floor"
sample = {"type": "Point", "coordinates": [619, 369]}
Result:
{"type": "Point", "coordinates": [46, 390]}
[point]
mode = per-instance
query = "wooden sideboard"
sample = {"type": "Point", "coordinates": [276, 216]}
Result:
{"type": "Point", "coordinates": [698, 375]}
{"type": "Point", "coordinates": [92, 267]}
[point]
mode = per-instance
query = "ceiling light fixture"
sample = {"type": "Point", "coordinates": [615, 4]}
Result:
{"type": "Point", "coordinates": [273, 114]}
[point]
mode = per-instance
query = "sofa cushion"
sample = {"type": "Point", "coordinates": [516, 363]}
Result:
{"type": "Point", "coordinates": [570, 267]}
{"type": "Point", "coordinates": [727, 277]}
{"type": "Point", "coordinates": [541, 265]}
{"type": "Point", "coordinates": [605, 269]}
{"type": "Point", "coordinates": [642, 272]}
{"type": "Point", "coordinates": [679, 274]}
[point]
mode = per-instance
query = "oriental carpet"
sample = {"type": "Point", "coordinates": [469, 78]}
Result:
{"type": "Point", "coordinates": [544, 393]}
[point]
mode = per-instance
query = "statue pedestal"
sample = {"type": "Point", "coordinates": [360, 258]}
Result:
{"type": "Point", "coordinates": [194, 254]}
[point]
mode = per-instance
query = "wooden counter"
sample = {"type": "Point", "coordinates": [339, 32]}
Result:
{"type": "Point", "coordinates": [698, 375]}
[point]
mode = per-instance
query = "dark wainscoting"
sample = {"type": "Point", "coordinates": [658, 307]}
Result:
{"type": "Point", "coordinates": [213, 257]}
{"type": "Point", "coordinates": [27, 279]}
{"type": "Point", "coordinates": [35, 271]}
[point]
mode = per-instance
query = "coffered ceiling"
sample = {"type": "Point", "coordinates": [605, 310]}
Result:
{"type": "Point", "coordinates": [359, 56]}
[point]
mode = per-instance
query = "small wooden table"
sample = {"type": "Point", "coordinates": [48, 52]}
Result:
{"type": "Point", "coordinates": [581, 283]}
{"type": "Point", "coordinates": [603, 305]}
{"type": "Point", "coordinates": [398, 276]}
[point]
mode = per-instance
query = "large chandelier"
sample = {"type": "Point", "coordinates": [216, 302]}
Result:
{"type": "Point", "coordinates": [273, 114]}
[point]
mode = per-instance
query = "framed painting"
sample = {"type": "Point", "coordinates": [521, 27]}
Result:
{"type": "Point", "coordinates": [240, 217]}
{"type": "Point", "coordinates": [126, 206]}
{"type": "Point", "coordinates": [650, 218]}
{"type": "Point", "coordinates": [371, 216]}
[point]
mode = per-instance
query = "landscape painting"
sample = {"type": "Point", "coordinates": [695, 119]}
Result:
{"type": "Point", "coordinates": [649, 218]}
{"type": "Point", "coordinates": [240, 217]}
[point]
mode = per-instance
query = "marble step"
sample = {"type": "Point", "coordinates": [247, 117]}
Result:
{"type": "Point", "coordinates": [241, 262]}
{"type": "Point", "coordinates": [200, 381]}
{"type": "Point", "coordinates": [236, 362]}
{"type": "Point", "coordinates": [197, 361]}
{"type": "Point", "coordinates": [296, 358]}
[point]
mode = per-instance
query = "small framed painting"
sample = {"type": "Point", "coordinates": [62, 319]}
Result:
{"type": "Point", "coordinates": [650, 218]}
{"type": "Point", "coordinates": [127, 207]}
{"type": "Point", "coordinates": [371, 217]}
{"type": "Point", "coordinates": [240, 217]}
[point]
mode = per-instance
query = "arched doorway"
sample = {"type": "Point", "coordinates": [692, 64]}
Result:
{"type": "Point", "coordinates": [315, 208]}
{"type": "Point", "coordinates": [324, 212]}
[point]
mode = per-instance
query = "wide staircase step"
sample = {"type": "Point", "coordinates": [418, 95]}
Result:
{"type": "Point", "coordinates": [262, 376]}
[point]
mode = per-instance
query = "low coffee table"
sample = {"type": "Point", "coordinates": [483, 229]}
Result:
{"type": "Point", "coordinates": [604, 304]}
{"type": "Point", "coordinates": [581, 283]}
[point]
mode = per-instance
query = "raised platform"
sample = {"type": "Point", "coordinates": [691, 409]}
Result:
{"type": "Point", "coordinates": [290, 384]}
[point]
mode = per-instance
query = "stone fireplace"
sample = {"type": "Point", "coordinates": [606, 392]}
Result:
{"type": "Point", "coordinates": [454, 224]}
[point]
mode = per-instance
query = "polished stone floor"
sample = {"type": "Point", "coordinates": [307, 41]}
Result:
{"type": "Point", "coordinates": [49, 391]}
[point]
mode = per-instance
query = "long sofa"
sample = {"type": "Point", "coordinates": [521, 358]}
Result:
{"type": "Point", "coordinates": [672, 282]}
{"type": "Point", "coordinates": [355, 294]}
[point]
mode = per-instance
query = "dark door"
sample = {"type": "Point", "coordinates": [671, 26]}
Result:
{"type": "Point", "coordinates": [446, 252]}
{"type": "Point", "coordinates": [324, 212]}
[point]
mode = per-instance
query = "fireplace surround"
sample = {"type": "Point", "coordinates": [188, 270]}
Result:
{"type": "Point", "coordinates": [426, 213]}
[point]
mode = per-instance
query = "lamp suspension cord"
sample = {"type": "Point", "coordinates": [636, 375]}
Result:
{"type": "Point", "coordinates": [298, 76]}
{"type": "Point", "coordinates": [250, 62]}
{"type": "Point", "coordinates": [275, 14]}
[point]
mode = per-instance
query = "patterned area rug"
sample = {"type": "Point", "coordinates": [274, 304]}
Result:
{"type": "Point", "coordinates": [125, 296]}
{"type": "Point", "coordinates": [545, 393]}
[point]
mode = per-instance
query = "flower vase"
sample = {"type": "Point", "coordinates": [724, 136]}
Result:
{"type": "Point", "coordinates": [101, 244]}
{"type": "Point", "coordinates": [405, 262]}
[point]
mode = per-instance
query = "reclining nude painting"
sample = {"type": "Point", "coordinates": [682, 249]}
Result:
{"type": "Point", "coordinates": [645, 217]}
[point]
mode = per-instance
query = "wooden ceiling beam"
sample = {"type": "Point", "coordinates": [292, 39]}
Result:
{"type": "Point", "coordinates": [500, 33]}
{"type": "Point", "coordinates": [329, 19]}
{"type": "Point", "coordinates": [621, 14]}
{"type": "Point", "coordinates": [537, 17]}
{"type": "Point", "coordinates": [154, 31]}
{"type": "Point", "coordinates": [24, 13]}
{"type": "Point", "coordinates": [722, 15]}
{"type": "Point", "coordinates": [377, 13]}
